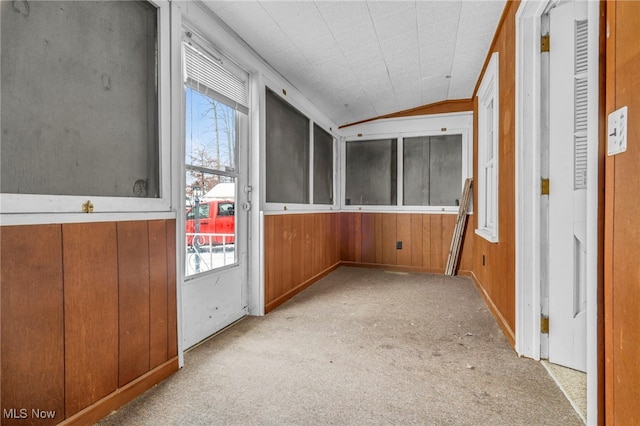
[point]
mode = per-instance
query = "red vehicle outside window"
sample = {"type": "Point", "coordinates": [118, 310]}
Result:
{"type": "Point", "coordinates": [217, 223]}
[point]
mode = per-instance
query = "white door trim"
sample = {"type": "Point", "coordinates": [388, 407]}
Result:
{"type": "Point", "coordinates": [528, 190]}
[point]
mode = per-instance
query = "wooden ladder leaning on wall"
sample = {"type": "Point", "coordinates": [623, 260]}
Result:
{"type": "Point", "coordinates": [458, 233]}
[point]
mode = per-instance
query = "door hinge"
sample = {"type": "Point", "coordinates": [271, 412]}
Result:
{"type": "Point", "coordinates": [544, 43]}
{"type": "Point", "coordinates": [544, 324]}
{"type": "Point", "coordinates": [544, 186]}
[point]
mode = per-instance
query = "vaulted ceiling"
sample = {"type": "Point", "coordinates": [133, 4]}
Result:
{"type": "Point", "coordinates": [361, 59]}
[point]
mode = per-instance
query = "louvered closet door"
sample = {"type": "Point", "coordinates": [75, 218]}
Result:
{"type": "Point", "coordinates": [568, 178]}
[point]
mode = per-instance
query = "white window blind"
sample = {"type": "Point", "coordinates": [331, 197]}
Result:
{"type": "Point", "coordinates": [206, 75]}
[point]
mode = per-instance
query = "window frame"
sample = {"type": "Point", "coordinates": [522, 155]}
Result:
{"type": "Point", "coordinates": [488, 94]}
{"type": "Point", "coordinates": [406, 127]}
{"type": "Point", "coordinates": [14, 208]}
{"type": "Point", "coordinates": [293, 99]}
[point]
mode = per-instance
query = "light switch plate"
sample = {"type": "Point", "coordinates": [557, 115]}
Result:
{"type": "Point", "coordinates": [617, 132]}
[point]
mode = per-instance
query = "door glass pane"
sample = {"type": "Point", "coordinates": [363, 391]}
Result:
{"type": "Point", "coordinates": [210, 233]}
{"type": "Point", "coordinates": [211, 133]}
{"type": "Point", "coordinates": [211, 181]}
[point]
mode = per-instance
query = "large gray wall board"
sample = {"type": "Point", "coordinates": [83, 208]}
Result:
{"type": "Point", "coordinates": [432, 170]}
{"type": "Point", "coordinates": [79, 98]}
{"type": "Point", "coordinates": [322, 166]}
{"type": "Point", "coordinates": [287, 152]}
{"type": "Point", "coordinates": [371, 172]}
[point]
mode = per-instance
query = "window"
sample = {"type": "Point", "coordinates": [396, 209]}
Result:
{"type": "Point", "coordinates": [432, 170]}
{"type": "Point", "coordinates": [322, 166]}
{"type": "Point", "coordinates": [80, 107]}
{"type": "Point", "coordinates": [371, 177]}
{"type": "Point", "coordinates": [299, 158]}
{"type": "Point", "coordinates": [488, 152]}
{"type": "Point", "coordinates": [287, 152]}
{"type": "Point", "coordinates": [215, 101]}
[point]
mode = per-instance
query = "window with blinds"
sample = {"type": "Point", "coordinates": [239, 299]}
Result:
{"type": "Point", "coordinates": [215, 77]}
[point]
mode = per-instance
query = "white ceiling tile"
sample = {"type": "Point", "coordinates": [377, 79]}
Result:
{"type": "Point", "coordinates": [396, 23]}
{"type": "Point", "coordinates": [380, 8]}
{"type": "Point", "coordinates": [286, 10]}
{"type": "Point", "coordinates": [308, 28]}
{"type": "Point", "coordinates": [357, 36]}
{"type": "Point", "coordinates": [433, 12]}
{"type": "Point", "coordinates": [472, 25]}
{"type": "Point", "coordinates": [332, 52]}
{"type": "Point", "coordinates": [321, 50]}
{"type": "Point", "coordinates": [438, 33]}
{"type": "Point", "coordinates": [402, 46]}
{"type": "Point", "coordinates": [291, 60]}
{"type": "Point", "coordinates": [477, 7]}
{"type": "Point", "coordinates": [342, 15]}
{"type": "Point", "coordinates": [364, 56]}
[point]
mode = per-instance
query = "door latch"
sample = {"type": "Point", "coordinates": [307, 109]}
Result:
{"type": "Point", "coordinates": [246, 206]}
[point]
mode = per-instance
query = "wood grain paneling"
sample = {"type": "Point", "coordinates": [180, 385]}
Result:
{"type": "Point", "coordinates": [32, 348]}
{"type": "Point", "coordinates": [172, 303]}
{"type": "Point", "coordinates": [158, 294]}
{"type": "Point", "coordinates": [443, 107]}
{"type": "Point", "coordinates": [426, 239]}
{"type": "Point", "coordinates": [493, 264]}
{"type": "Point", "coordinates": [133, 291]}
{"type": "Point", "coordinates": [622, 269]}
{"type": "Point", "coordinates": [90, 313]}
{"type": "Point", "coordinates": [86, 308]}
{"type": "Point", "coordinates": [301, 248]}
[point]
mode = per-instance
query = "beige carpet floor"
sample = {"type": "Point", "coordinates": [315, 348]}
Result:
{"type": "Point", "coordinates": [359, 347]}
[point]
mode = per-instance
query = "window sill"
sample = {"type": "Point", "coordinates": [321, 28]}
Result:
{"type": "Point", "coordinates": [488, 234]}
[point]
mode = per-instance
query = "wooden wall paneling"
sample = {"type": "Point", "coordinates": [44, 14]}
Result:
{"type": "Point", "coordinates": [377, 221]}
{"type": "Point", "coordinates": [309, 241]}
{"type": "Point", "coordinates": [133, 299]}
{"type": "Point", "coordinates": [368, 231]}
{"type": "Point", "coordinates": [389, 238]}
{"type": "Point", "coordinates": [287, 251]}
{"type": "Point", "coordinates": [32, 345]}
{"type": "Point", "coordinates": [172, 303]}
{"type": "Point", "coordinates": [466, 250]}
{"type": "Point", "coordinates": [416, 240]}
{"type": "Point", "coordinates": [426, 241]}
{"type": "Point", "coordinates": [436, 242]}
{"type": "Point", "coordinates": [90, 313]}
{"type": "Point", "coordinates": [351, 237]}
{"type": "Point", "coordinates": [269, 259]}
{"type": "Point", "coordinates": [609, 216]}
{"type": "Point", "coordinates": [344, 236]}
{"type": "Point", "coordinates": [158, 294]}
{"type": "Point", "coordinates": [403, 224]}
{"type": "Point", "coordinates": [318, 249]}
{"type": "Point", "coordinates": [335, 226]}
{"type": "Point", "coordinates": [625, 279]}
{"type": "Point", "coordinates": [297, 241]}
{"type": "Point", "coordinates": [357, 232]}
{"type": "Point", "coordinates": [448, 227]}
{"type": "Point", "coordinates": [278, 253]}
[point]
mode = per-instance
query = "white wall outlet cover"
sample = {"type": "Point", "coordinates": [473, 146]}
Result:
{"type": "Point", "coordinates": [617, 131]}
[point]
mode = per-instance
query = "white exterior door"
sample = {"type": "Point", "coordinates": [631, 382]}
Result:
{"type": "Point", "coordinates": [568, 178]}
{"type": "Point", "coordinates": [217, 192]}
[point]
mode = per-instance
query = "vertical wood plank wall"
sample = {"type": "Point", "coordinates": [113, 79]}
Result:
{"type": "Point", "coordinates": [622, 230]}
{"type": "Point", "coordinates": [370, 238]}
{"type": "Point", "coordinates": [300, 248]}
{"type": "Point", "coordinates": [494, 263]}
{"type": "Point", "coordinates": [86, 309]}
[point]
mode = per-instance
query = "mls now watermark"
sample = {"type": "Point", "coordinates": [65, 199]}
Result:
{"type": "Point", "coordinates": [23, 413]}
